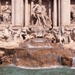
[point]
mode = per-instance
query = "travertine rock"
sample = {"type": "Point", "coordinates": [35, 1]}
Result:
{"type": "Point", "coordinates": [66, 61]}
{"type": "Point", "coordinates": [1, 53]}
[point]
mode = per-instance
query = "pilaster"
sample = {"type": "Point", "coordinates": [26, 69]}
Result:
{"type": "Point", "coordinates": [55, 13]}
{"type": "Point", "coordinates": [26, 12]}
{"type": "Point", "coordinates": [65, 12]}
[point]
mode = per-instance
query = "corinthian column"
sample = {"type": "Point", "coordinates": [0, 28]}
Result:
{"type": "Point", "coordinates": [58, 12]}
{"type": "Point", "coordinates": [0, 6]}
{"type": "Point", "coordinates": [65, 12]}
{"type": "Point", "coordinates": [50, 9]}
{"type": "Point", "coordinates": [55, 13]}
{"type": "Point", "coordinates": [26, 12]}
{"type": "Point", "coordinates": [18, 12]}
{"type": "Point", "coordinates": [22, 10]}
{"type": "Point", "coordinates": [32, 4]}
{"type": "Point", "coordinates": [68, 11]}
{"type": "Point", "coordinates": [13, 12]}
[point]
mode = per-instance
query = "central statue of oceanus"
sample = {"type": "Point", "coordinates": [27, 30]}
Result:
{"type": "Point", "coordinates": [39, 13]}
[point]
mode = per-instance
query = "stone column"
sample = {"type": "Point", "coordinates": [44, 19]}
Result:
{"type": "Point", "coordinates": [0, 10]}
{"type": "Point", "coordinates": [50, 9]}
{"type": "Point", "coordinates": [32, 4]}
{"type": "Point", "coordinates": [68, 12]}
{"type": "Point", "coordinates": [0, 6]}
{"type": "Point", "coordinates": [18, 12]}
{"type": "Point", "coordinates": [13, 12]}
{"type": "Point", "coordinates": [55, 13]}
{"type": "Point", "coordinates": [58, 12]}
{"type": "Point", "coordinates": [22, 14]}
{"type": "Point", "coordinates": [65, 12]}
{"type": "Point", "coordinates": [26, 12]}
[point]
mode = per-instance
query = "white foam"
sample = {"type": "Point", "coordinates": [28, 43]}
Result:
{"type": "Point", "coordinates": [12, 65]}
{"type": "Point", "coordinates": [72, 68]}
{"type": "Point", "coordinates": [32, 68]}
{"type": "Point", "coordinates": [37, 68]}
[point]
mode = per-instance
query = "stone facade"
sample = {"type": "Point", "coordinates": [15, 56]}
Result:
{"type": "Point", "coordinates": [57, 10]}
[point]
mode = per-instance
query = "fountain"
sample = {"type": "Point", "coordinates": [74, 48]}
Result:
{"type": "Point", "coordinates": [39, 45]}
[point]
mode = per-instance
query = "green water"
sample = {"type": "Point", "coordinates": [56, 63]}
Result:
{"type": "Point", "coordinates": [7, 70]}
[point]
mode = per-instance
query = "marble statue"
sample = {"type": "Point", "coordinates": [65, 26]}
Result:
{"type": "Point", "coordinates": [17, 35]}
{"type": "Point", "coordinates": [6, 11]}
{"type": "Point", "coordinates": [63, 35]}
{"type": "Point", "coordinates": [22, 34]}
{"type": "Point", "coordinates": [39, 12]}
{"type": "Point", "coordinates": [60, 35]}
{"type": "Point", "coordinates": [7, 33]}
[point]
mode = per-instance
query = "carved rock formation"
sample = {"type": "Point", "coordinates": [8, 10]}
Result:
{"type": "Point", "coordinates": [38, 57]}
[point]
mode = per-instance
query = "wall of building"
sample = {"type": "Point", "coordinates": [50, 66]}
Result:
{"type": "Point", "coordinates": [52, 8]}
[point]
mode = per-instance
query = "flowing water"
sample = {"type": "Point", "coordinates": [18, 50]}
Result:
{"type": "Point", "coordinates": [73, 63]}
{"type": "Point", "coordinates": [9, 70]}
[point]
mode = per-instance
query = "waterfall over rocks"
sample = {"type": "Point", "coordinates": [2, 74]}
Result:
{"type": "Point", "coordinates": [73, 62]}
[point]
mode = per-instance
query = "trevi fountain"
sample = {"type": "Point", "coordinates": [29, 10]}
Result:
{"type": "Point", "coordinates": [39, 49]}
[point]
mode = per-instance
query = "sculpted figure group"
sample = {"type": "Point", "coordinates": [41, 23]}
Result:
{"type": "Point", "coordinates": [39, 12]}
{"type": "Point", "coordinates": [8, 34]}
{"type": "Point", "coordinates": [62, 35]}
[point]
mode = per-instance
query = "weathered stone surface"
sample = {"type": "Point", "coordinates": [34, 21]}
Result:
{"type": "Point", "coordinates": [44, 58]}
{"type": "Point", "coordinates": [1, 53]}
{"type": "Point", "coordinates": [0, 61]}
{"type": "Point", "coordinates": [39, 57]}
{"type": "Point", "coordinates": [66, 61]}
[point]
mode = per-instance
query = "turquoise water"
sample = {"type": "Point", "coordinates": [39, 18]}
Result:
{"type": "Point", "coordinates": [7, 70]}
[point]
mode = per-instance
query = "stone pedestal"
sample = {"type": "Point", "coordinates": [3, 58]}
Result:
{"type": "Point", "coordinates": [55, 13]}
